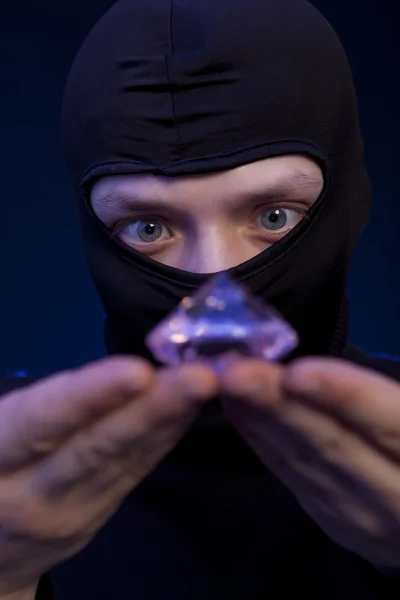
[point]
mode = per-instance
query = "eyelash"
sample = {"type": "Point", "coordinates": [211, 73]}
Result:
{"type": "Point", "coordinates": [120, 226]}
{"type": "Point", "coordinates": [293, 209]}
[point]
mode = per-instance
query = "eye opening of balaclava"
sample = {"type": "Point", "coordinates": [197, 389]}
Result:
{"type": "Point", "coordinates": [176, 87]}
{"type": "Point", "coordinates": [242, 272]}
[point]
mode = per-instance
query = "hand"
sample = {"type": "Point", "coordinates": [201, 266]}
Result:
{"type": "Point", "coordinates": [330, 432]}
{"type": "Point", "coordinates": [27, 594]}
{"type": "Point", "coordinates": [72, 447]}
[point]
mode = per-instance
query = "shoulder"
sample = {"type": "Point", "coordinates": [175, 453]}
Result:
{"type": "Point", "coordinates": [384, 365]}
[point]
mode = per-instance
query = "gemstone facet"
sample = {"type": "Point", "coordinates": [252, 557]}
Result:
{"type": "Point", "coordinates": [219, 322]}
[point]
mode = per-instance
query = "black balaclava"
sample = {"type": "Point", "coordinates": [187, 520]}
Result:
{"type": "Point", "coordinates": [179, 87]}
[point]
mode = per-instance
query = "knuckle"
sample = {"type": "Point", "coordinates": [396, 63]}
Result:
{"type": "Point", "coordinates": [92, 456]}
{"type": "Point", "coordinates": [89, 458]}
{"type": "Point", "coordinates": [330, 457]}
{"type": "Point", "coordinates": [38, 447]}
{"type": "Point", "coordinates": [333, 448]}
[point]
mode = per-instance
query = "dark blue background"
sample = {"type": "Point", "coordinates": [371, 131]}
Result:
{"type": "Point", "coordinates": [50, 316]}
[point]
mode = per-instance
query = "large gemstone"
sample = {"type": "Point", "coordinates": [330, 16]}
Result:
{"type": "Point", "coordinates": [220, 321]}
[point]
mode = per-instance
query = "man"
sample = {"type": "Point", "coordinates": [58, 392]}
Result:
{"type": "Point", "coordinates": [203, 137]}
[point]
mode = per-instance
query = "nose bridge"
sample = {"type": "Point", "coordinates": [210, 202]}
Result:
{"type": "Point", "coordinates": [215, 247]}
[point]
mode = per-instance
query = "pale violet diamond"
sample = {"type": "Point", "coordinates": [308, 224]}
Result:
{"type": "Point", "coordinates": [221, 319]}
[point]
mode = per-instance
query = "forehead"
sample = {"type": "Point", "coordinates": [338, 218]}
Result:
{"type": "Point", "coordinates": [279, 174]}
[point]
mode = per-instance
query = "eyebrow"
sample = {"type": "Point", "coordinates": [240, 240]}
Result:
{"type": "Point", "coordinates": [124, 200]}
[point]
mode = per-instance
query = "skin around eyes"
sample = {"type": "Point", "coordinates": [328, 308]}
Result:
{"type": "Point", "coordinates": [147, 234]}
{"type": "Point", "coordinates": [210, 222]}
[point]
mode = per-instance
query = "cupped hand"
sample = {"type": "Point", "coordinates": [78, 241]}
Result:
{"type": "Point", "coordinates": [73, 446]}
{"type": "Point", "coordinates": [331, 432]}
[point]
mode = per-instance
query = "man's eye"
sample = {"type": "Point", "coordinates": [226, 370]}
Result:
{"type": "Point", "coordinates": [279, 219]}
{"type": "Point", "coordinates": [145, 231]}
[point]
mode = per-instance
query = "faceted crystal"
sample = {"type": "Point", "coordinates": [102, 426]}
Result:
{"type": "Point", "coordinates": [219, 322]}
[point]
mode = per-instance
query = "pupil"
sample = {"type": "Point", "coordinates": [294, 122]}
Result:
{"type": "Point", "coordinates": [149, 231]}
{"type": "Point", "coordinates": [150, 228]}
{"type": "Point", "coordinates": [274, 219]}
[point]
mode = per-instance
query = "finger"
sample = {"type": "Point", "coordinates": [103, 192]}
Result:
{"type": "Point", "coordinates": [258, 382]}
{"type": "Point", "coordinates": [308, 450]}
{"type": "Point", "coordinates": [359, 397]}
{"type": "Point", "coordinates": [123, 447]}
{"type": "Point", "coordinates": [363, 494]}
{"type": "Point", "coordinates": [35, 421]}
{"type": "Point", "coordinates": [263, 410]}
